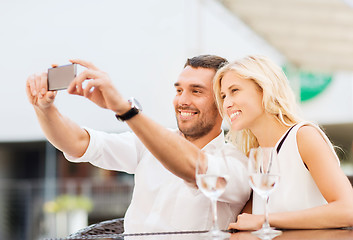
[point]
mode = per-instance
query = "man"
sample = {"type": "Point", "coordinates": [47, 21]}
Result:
{"type": "Point", "coordinates": [165, 196]}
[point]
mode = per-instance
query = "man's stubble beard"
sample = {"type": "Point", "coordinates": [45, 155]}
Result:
{"type": "Point", "coordinates": [200, 128]}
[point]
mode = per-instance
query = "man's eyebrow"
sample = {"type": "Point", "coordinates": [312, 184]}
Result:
{"type": "Point", "coordinates": [197, 86]}
{"type": "Point", "coordinates": [177, 84]}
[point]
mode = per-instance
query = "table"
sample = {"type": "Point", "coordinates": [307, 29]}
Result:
{"type": "Point", "coordinates": [323, 234]}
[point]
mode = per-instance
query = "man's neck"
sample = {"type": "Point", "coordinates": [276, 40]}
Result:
{"type": "Point", "coordinates": [203, 141]}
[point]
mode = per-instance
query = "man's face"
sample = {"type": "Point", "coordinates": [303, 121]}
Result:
{"type": "Point", "coordinates": [195, 108]}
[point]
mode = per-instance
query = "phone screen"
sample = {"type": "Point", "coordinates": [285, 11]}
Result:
{"type": "Point", "coordinates": [59, 78]}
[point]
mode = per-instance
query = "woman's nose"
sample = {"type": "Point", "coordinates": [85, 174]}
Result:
{"type": "Point", "coordinates": [227, 103]}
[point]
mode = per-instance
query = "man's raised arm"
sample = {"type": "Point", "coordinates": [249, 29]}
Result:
{"type": "Point", "coordinates": [63, 133]}
{"type": "Point", "coordinates": [165, 145]}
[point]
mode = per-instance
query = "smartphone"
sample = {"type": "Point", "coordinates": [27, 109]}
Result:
{"type": "Point", "coordinates": [60, 77]}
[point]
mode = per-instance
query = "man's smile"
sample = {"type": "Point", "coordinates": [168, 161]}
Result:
{"type": "Point", "coordinates": [186, 114]}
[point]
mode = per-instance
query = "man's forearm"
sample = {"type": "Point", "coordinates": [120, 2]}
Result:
{"type": "Point", "coordinates": [64, 134]}
{"type": "Point", "coordinates": [176, 153]}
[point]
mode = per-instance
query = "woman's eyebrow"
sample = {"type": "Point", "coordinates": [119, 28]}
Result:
{"type": "Point", "coordinates": [233, 86]}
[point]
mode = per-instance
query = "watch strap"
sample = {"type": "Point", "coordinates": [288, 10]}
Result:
{"type": "Point", "coordinates": [128, 115]}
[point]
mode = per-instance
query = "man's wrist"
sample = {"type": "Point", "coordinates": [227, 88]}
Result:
{"type": "Point", "coordinates": [134, 109]}
{"type": "Point", "coordinates": [126, 106]}
{"type": "Point", "coordinates": [46, 109]}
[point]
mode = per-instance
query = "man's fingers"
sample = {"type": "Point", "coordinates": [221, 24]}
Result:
{"type": "Point", "coordinates": [30, 85]}
{"type": "Point", "coordinates": [36, 94]}
{"type": "Point", "coordinates": [50, 96]}
{"type": "Point", "coordinates": [89, 74]}
{"type": "Point", "coordinates": [76, 84]}
{"type": "Point", "coordinates": [84, 63]}
{"type": "Point", "coordinates": [30, 89]}
{"type": "Point", "coordinates": [89, 88]}
{"type": "Point", "coordinates": [72, 89]}
{"type": "Point", "coordinates": [44, 83]}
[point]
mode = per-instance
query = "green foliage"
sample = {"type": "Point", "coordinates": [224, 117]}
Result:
{"type": "Point", "coordinates": [68, 203]}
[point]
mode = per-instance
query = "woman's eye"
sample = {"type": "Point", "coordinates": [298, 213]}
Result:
{"type": "Point", "coordinates": [223, 96]}
{"type": "Point", "coordinates": [234, 90]}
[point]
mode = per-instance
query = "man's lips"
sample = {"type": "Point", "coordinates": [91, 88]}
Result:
{"type": "Point", "coordinates": [186, 114]}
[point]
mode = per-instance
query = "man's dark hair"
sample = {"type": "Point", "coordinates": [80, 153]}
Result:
{"type": "Point", "coordinates": [206, 61]}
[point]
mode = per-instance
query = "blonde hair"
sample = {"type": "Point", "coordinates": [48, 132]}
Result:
{"type": "Point", "coordinates": [278, 98]}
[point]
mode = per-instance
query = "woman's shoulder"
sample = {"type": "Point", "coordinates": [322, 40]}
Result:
{"type": "Point", "coordinates": [303, 131]}
{"type": "Point", "coordinates": [312, 140]}
{"type": "Point", "coordinates": [308, 131]}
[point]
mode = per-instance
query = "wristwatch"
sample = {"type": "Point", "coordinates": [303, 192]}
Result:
{"type": "Point", "coordinates": [134, 110]}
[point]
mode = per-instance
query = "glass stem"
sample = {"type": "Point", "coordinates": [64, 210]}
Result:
{"type": "Point", "coordinates": [266, 224]}
{"type": "Point", "coordinates": [214, 210]}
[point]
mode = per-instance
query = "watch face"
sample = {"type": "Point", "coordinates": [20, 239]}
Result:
{"type": "Point", "coordinates": [135, 109]}
{"type": "Point", "coordinates": [135, 104]}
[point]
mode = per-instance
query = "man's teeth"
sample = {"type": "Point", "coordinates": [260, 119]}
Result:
{"type": "Point", "coordinates": [186, 114]}
{"type": "Point", "coordinates": [233, 115]}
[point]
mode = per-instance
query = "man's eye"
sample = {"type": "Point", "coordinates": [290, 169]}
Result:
{"type": "Point", "coordinates": [196, 91]}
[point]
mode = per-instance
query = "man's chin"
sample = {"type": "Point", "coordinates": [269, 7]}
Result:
{"type": "Point", "coordinates": [186, 126]}
{"type": "Point", "coordinates": [192, 132]}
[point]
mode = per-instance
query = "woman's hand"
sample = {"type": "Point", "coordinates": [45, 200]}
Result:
{"type": "Point", "coordinates": [247, 221]}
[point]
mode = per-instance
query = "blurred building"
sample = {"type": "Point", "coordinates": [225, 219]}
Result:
{"type": "Point", "coordinates": [143, 46]}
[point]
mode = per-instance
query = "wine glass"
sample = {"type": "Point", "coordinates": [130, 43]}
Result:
{"type": "Point", "coordinates": [264, 175]}
{"type": "Point", "coordinates": [212, 174]}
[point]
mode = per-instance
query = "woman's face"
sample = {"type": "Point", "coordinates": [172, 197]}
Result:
{"type": "Point", "coordinates": [242, 101]}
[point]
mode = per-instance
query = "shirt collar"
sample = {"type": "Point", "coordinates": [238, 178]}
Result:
{"type": "Point", "coordinates": [216, 143]}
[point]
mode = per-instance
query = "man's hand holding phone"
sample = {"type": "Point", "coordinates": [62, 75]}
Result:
{"type": "Point", "coordinates": [92, 83]}
{"type": "Point", "coordinates": [41, 88]}
{"type": "Point", "coordinates": [37, 92]}
{"type": "Point", "coordinates": [98, 88]}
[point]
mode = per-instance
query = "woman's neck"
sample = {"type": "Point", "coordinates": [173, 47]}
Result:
{"type": "Point", "coordinates": [269, 131]}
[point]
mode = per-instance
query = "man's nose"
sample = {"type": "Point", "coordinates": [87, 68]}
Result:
{"type": "Point", "coordinates": [184, 99]}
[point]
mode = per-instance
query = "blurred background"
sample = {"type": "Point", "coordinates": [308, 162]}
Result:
{"type": "Point", "coordinates": [143, 45]}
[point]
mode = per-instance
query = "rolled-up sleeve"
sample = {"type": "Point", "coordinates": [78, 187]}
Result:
{"type": "Point", "coordinates": [120, 152]}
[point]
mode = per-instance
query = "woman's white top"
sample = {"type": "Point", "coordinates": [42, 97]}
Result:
{"type": "Point", "coordinates": [297, 189]}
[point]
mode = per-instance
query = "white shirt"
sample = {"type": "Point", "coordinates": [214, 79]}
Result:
{"type": "Point", "coordinates": [162, 201]}
{"type": "Point", "coordinates": [297, 189]}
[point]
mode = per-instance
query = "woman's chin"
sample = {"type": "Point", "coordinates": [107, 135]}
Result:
{"type": "Point", "coordinates": [236, 127]}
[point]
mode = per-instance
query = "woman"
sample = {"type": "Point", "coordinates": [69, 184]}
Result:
{"type": "Point", "coordinates": [255, 98]}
